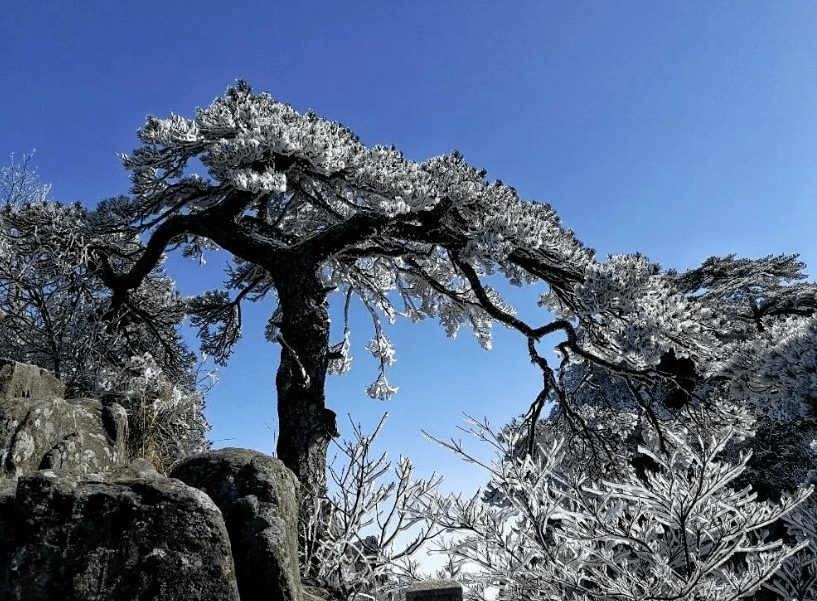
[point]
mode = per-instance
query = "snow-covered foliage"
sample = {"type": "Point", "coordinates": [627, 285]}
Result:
{"type": "Point", "coordinates": [550, 527]}
{"type": "Point", "coordinates": [778, 369]}
{"type": "Point", "coordinates": [366, 554]}
{"type": "Point", "coordinates": [680, 533]}
{"type": "Point", "coordinates": [796, 580]}
{"type": "Point", "coordinates": [55, 312]}
{"type": "Point", "coordinates": [765, 324]}
{"type": "Point", "coordinates": [19, 183]}
{"type": "Point", "coordinates": [166, 421]}
{"type": "Point", "coordinates": [392, 232]}
{"type": "Point", "coordinates": [630, 314]}
{"type": "Point", "coordinates": [54, 303]}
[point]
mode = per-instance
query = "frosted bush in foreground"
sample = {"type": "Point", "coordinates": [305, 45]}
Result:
{"type": "Point", "coordinates": [166, 421]}
{"type": "Point", "coordinates": [681, 533]}
{"type": "Point", "coordinates": [364, 554]}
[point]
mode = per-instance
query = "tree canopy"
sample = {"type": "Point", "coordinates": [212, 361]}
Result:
{"type": "Point", "coordinates": [307, 212]}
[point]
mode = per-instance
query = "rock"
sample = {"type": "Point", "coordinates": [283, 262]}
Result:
{"type": "Point", "coordinates": [46, 432]}
{"type": "Point", "coordinates": [138, 468]}
{"type": "Point", "coordinates": [79, 521]}
{"type": "Point", "coordinates": [75, 539]}
{"type": "Point", "coordinates": [258, 497]}
{"type": "Point", "coordinates": [23, 380]}
{"type": "Point", "coordinates": [314, 593]}
{"type": "Point", "coordinates": [434, 590]}
{"type": "Point", "coordinates": [41, 430]}
{"type": "Point", "coordinates": [8, 489]}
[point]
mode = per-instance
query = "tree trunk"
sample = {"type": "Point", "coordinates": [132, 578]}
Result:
{"type": "Point", "coordinates": [306, 426]}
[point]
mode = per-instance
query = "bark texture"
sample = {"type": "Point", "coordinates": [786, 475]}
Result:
{"type": "Point", "coordinates": [306, 424]}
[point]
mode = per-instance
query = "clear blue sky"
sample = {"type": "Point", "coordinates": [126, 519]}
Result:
{"type": "Point", "coordinates": [678, 129]}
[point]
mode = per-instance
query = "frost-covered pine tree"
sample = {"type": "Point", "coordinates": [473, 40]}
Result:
{"type": "Point", "coordinates": [309, 213]}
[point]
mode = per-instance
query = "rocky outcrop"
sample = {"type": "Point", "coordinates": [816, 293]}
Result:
{"type": "Point", "coordinates": [145, 537]}
{"type": "Point", "coordinates": [258, 497]}
{"type": "Point", "coordinates": [41, 430]}
{"type": "Point", "coordinates": [23, 380]}
{"type": "Point", "coordinates": [80, 522]}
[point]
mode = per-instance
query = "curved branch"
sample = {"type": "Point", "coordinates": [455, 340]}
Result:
{"type": "Point", "coordinates": [505, 317]}
{"type": "Point", "coordinates": [217, 223]}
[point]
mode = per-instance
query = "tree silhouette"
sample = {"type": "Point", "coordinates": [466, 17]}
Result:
{"type": "Point", "coordinates": [309, 212]}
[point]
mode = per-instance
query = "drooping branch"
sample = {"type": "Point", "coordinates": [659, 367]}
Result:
{"type": "Point", "coordinates": [508, 319]}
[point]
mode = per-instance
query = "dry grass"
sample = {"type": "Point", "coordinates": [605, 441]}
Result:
{"type": "Point", "coordinates": [152, 431]}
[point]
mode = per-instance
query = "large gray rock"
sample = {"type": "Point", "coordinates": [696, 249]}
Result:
{"type": "Point", "coordinates": [53, 433]}
{"type": "Point", "coordinates": [79, 539]}
{"type": "Point", "coordinates": [258, 497]}
{"type": "Point", "coordinates": [41, 430]}
{"type": "Point", "coordinates": [26, 380]}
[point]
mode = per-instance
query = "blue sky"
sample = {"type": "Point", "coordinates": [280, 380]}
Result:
{"type": "Point", "coordinates": [678, 129]}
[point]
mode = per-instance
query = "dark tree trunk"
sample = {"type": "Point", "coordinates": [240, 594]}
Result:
{"type": "Point", "coordinates": [306, 426]}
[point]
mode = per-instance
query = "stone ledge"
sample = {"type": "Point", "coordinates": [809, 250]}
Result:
{"type": "Point", "coordinates": [434, 590]}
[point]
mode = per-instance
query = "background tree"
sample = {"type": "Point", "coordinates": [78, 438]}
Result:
{"type": "Point", "coordinates": [19, 183]}
{"type": "Point", "coordinates": [760, 316]}
{"type": "Point", "coordinates": [728, 331]}
{"type": "Point", "coordinates": [56, 313]}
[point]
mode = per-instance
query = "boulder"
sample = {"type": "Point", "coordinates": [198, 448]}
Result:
{"type": "Point", "coordinates": [140, 538]}
{"type": "Point", "coordinates": [138, 468]}
{"type": "Point", "coordinates": [26, 380]}
{"type": "Point", "coordinates": [53, 433]}
{"type": "Point", "coordinates": [258, 497]}
{"type": "Point", "coordinates": [41, 430]}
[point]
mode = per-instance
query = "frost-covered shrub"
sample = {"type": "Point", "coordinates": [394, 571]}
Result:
{"type": "Point", "coordinates": [361, 537]}
{"type": "Point", "coordinates": [549, 530]}
{"type": "Point", "coordinates": [558, 534]}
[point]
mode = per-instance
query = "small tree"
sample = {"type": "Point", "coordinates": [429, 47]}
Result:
{"type": "Point", "coordinates": [362, 555]}
{"type": "Point", "coordinates": [57, 314]}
